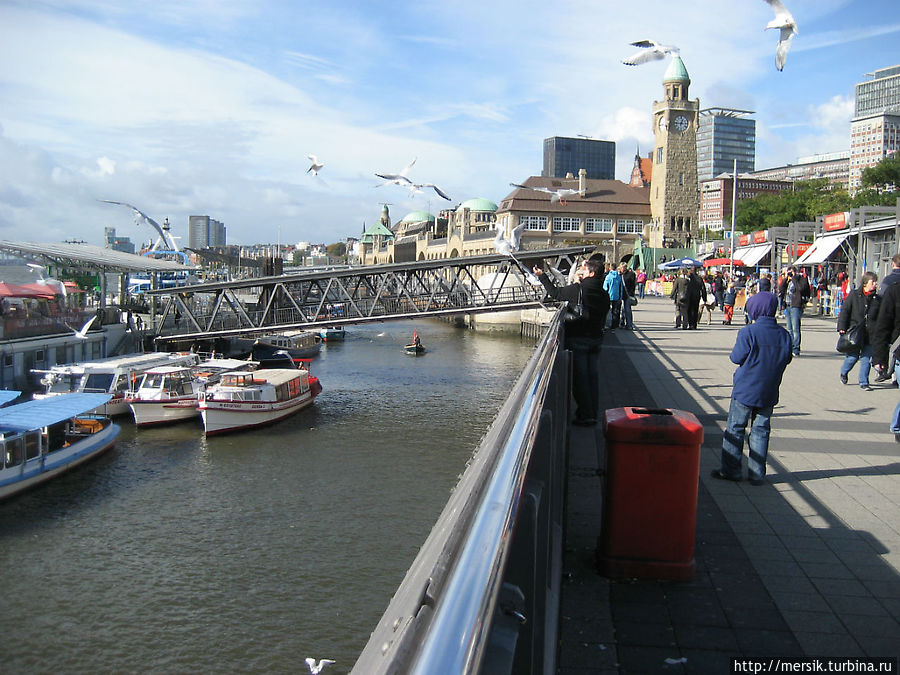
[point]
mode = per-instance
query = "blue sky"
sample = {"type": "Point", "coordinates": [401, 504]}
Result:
{"type": "Point", "coordinates": [212, 107]}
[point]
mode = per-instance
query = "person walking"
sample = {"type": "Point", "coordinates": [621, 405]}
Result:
{"type": "Point", "coordinates": [794, 292]}
{"type": "Point", "coordinates": [860, 311]}
{"type": "Point", "coordinates": [729, 299]}
{"type": "Point", "coordinates": [761, 351]}
{"type": "Point", "coordinates": [614, 287]}
{"type": "Point", "coordinates": [680, 294]}
{"type": "Point", "coordinates": [641, 280]}
{"type": "Point", "coordinates": [719, 288]}
{"type": "Point", "coordinates": [885, 340]}
{"type": "Point", "coordinates": [629, 280]}
{"type": "Point", "coordinates": [889, 280]}
{"type": "Point", "coordinates": [583, 336]}
{"type": "Point", "coordinates": [696, 295]}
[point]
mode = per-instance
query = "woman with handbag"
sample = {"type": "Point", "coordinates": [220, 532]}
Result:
{"type": "Point", "coordinates": [858, 313]}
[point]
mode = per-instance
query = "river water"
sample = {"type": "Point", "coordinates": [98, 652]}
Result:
{"type": "Point", "coordinates": [250, 552]}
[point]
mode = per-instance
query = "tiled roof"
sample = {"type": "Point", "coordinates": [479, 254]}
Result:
{"type": "Point", "coordinates": [601, 197]}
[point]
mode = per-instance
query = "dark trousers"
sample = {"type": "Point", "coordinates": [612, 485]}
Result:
{"type": "Point", "coordinates": [585, 375]}
{"type": "Point", "coordinates": [615, 308]}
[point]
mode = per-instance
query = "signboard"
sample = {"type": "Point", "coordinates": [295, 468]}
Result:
{"type": "Point", "coordinates": [796, 251]}
{"type": "Point", "coordinates": [760, 237]}
{"type": "Point", "coordinates": [744, 240]}
{"type": "Point", "coordinates": [837, 221]}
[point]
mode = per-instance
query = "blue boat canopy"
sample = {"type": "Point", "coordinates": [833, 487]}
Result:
{"type": "Point", "coordinates": [6, 396]}
{"type": "Point", "coordinates": [43, 412]}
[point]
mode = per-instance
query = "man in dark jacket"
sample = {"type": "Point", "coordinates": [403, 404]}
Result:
{"type": "Point", "coordinates": [681, 295]}
{"type": "Point", "coordinates": [860, 312]}
{"type": "Point", "coordinates": [887, 331]}
{"type": "Point", "coordinates": [762, 351]}
{"type": "Point", "coordinates": [696, 293]}
{"type": "Point", "coordinates": [794, 292]}
{"type": "Point", "coordinates": [629, 280]}
{"type": "Point", "coordinates": [889, 280]}
{"type": "Point", "coordinates": [583, 336]}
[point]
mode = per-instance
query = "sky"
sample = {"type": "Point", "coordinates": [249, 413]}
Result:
{"type": "Point", "coordinates": [211, 107]}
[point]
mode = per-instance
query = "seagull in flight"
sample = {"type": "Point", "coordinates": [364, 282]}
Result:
{"type": "Point", "coordinates": [650, 51]}
{"type": "Point", "coordinates": [82, 334]}
{"type": "Point", "coordinates": [509, 246]}
{"type": "Point", "coordinates": [785, 22]}
{"type": "Point", "coordinates": [556, 196]}
{"type": "Point", "coordinates": [315, 166]}
{"type": "Point", "coordinates": [418, 188]}
{"type": "Point", "coordinates": [316, 667]}
{"type": "Point", "coordinates": [398, 178]}
{"type": "Point", "coordinates": [39, 270]}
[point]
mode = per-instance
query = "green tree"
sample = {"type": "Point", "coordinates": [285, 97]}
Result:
{"type": "Point", "coordinates": [336, 251]}
{"type": "Point", "coordinates": [885, 175]}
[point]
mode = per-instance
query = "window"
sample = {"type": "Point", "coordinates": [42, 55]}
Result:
{"type": "Point", "coordinates": [566, 224]}
{"type": "Point", "coordinates": [630, 226]}
{"type": "Point", "coordinates": [598, 225]}
{"type": "Point", "coordinates": [534, 222]}
{"type": "Point", "coordinates": [659, 155]}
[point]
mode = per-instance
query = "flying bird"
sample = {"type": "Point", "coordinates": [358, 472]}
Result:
{"type": "Point", "coordinates": [315, 166]}
{"type": "Point", "coordinates": [556, 196]}
{"type": "Point", "coordinates": [785, 22]}
{"type": "Point", "coordinates": [650, 51]}
{"type": "Point", "coordinates": [82, 334]}
{"type": "Point", "coordinates": [398, 178]}
{"type": "Point", "coordinates": [316, 667]}
{"type": "Point", "coordinates": [508, 246]}
{"type": "Point", "coordinates": [141, 217]}
{"type": "Point", "coordinates": [34, 268]}
{"type": "Point", "coordinates": [418, 187]}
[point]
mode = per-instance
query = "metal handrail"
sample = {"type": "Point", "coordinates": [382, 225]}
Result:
{"type": "Point", "coordinates": [440, 617]}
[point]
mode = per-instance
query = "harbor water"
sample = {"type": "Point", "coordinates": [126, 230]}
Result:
{"type": "Point", "coordinates": [250, 552]}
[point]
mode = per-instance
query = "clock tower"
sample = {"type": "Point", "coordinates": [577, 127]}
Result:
{"type": "Point", "coordinates": [674, 193]}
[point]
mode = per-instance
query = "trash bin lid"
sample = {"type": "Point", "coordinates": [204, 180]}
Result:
{"type": "Point", "coordinates": [643, 425]}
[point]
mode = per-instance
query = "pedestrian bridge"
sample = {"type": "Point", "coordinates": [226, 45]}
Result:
{"type": "Point", "coordinates": [354, 295]}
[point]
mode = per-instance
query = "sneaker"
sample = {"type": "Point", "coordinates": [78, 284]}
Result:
{"type": "Point", "coordinates": [866, 387]}
{"type": "Point", "coordinates": [756, 481]}
{"type": "Point", "coordinates": [843, 379]}
{"type": "Point", "coordinates": [881, 377]}
{"type": "Point", "coordinates": [716, 473]}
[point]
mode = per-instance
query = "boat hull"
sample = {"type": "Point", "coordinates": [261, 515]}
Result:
{"type": "Point", "coordinates": [32, 472]}
{"type": "Point", "coordinates": [157, 413]}
{"type": "Point", "coordinates": [221, 417]}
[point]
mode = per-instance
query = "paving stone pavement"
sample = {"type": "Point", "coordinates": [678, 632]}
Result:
{"type": "Point", "coordinates": [806, 565]}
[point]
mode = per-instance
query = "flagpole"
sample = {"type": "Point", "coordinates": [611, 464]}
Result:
{"type": "Point", "coordinates": [733, 213]}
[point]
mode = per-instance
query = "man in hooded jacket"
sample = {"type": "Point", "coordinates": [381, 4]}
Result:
{"type": "Point", "coordinates": [762, 351]}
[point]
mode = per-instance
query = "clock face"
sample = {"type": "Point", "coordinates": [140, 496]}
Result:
{"type": "Point", "coordinates": [662, 124]}
{"type": "Point", "coordinates": [681, 123]}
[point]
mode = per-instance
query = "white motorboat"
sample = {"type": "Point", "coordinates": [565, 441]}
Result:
{"type": "Point", "coordinates": [245, 400]}
{"type": "Point", "coordinates": [117, 376]}
{"type": "Point", "coordinates": [332, 333]}
{"type": "Point", "coordinates": [169, 394]}
{"type": "Point", "coordinates": [43, 438]}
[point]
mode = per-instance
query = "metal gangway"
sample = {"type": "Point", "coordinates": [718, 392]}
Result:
{"type": "Point", "coordinates": [353, 295]}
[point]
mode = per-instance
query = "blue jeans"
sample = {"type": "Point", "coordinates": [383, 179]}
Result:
{"type": "Point", "coordinates": [792, 320]}
{"type": "Point", "coordinates": [585, 375]}
{"type": "Point", "coordinates": [640, 289]}
{"type": "Point", "coordinates": [864, 356]}
{"type": "Point", "coordinates": [895, 422]}
{"type": "Point", "coordinates": [760, 420]}
{"type": "Point", "coordinates": [627, 316]}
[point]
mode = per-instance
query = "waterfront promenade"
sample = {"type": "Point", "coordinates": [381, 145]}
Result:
{"type": "Point", "coordinates": [806, 565]}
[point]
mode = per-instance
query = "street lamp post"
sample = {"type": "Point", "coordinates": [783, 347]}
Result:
{"type": "Point", "coordinates": [733, 215]}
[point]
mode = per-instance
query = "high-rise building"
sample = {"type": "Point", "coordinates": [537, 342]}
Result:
{"type": "Point", "coordinates": [117, 243]}
{"type": "Point", "coordinates": [875, 129]}
{"type": "Point", "coordinates": [563, 156]}
{"type": "Point", "coordinates": [723, 136]}
{"type": "Point", "coordinates": [204, 232]}
{"type": "Point", "coordinates": [674, 191]}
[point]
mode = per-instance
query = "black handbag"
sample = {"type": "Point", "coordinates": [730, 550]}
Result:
{"type": "Point", "coordinates": [576, 312]}
{"type": "Point", "coordinates": [850, 341]}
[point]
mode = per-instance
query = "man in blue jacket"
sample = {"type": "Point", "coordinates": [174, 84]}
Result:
{"type": "Point", "coordinates": [762, 352]}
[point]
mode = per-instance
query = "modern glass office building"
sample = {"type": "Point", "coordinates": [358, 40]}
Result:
{"type": "Point", "coordinates": [875, 128]}
{"type": "Point", "coordinates": [881, 94]}
{"type": "Point", "coordinates": [563, 156]}
{"type": "Point", "coordinates": [725, 134]}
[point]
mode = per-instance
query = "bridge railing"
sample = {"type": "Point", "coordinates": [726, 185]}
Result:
{"type": "Point", "coordinates": [482, 594]}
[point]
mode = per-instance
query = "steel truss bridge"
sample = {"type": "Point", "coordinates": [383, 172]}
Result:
{"type": "Point", "coordinates": [354, 295]}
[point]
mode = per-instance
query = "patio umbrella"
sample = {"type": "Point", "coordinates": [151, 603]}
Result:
{"type": "Point", "coordinates": [681, 262]}
{"type": "Point", "coordinates": [721, 262]}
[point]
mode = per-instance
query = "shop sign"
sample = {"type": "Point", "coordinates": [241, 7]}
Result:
{"type": "Point", "coordinates": [837, 221]}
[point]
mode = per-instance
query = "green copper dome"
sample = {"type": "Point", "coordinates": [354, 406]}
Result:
{"type": "Point", "coordinates": [478, 204]}
{"type": "Point", "coordinates": [676, 71]}
{"type": "Point", "coordinates": [418, 217]}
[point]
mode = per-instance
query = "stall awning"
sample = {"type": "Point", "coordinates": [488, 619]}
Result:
{"type": "Point", "coordinates": [751, 255]}
{"type": "Point", "coordinates": [821, 249]}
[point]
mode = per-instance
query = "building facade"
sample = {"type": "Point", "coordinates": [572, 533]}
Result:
{"type": "Point", "coordinates": [674, 191]}
{"type": "Point", "coordinates": [204, 232]}
{"type": "Point", "coordinates": [835, 166]}
{"type": "Point", "coordinates": [564, 156]}
{"type": "Point", "coordinates": [723, 136]}
{"type": "Point", "coordinates": [117, 243]}
{"type": "Point", "coordinates": [716, 197]}
{"type": "Point", "coordinates": [875, 129]}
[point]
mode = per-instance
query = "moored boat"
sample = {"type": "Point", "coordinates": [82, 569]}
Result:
{"type": "Point", "coordinates": [164, 396]}
{"type": "Point", "coordinates": [243, 400]}
{"type": "Point", "coordinates": [301, 344]}
{"type": "Point", "coordinates": [43, 438]}
{"type": "Point", "coordinates": [332, 333]}
{"type": "Point", "coordinates": [117, 376]}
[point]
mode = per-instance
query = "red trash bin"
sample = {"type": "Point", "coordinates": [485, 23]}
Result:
{"type": "Point", "coordinates": [650, 500]}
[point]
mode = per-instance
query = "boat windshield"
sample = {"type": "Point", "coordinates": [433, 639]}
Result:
{"type": "Point", "coordinates": [238, 380]}
{"type": "Point", "coordinates": [97, 381]}
{"type": "Point", "coordinates": [153, 381]}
